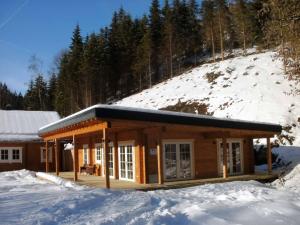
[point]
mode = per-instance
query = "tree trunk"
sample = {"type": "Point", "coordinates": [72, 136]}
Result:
{"type": "Point", "coordinates": [212, 43]}
{"type": "Point", "coordinates": [221, 37]}
{"type": "Point", "coordinates": [171, 56]}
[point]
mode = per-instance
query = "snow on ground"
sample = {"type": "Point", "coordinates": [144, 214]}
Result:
{"type": "Point", "coordinates": [250, 87]}
{"type": "Point", "coordinates": [26, 199]}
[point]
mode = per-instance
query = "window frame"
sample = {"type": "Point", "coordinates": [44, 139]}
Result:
{"type": "Point", "coordinates": [99, 162]}
{"type": "Point", "coordinates": [85, 147]}
{"type": "Point", "coordinates": [10, 155]}
{"type": "Point", "coordinates": [177, 142]}
{"type": "Point", "coordinates": [43, 159]}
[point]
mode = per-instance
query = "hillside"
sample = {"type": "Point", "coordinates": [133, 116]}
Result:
{"type": "Point", "coordinates": [251, 87]}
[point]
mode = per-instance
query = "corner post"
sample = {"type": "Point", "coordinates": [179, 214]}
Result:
{"type": "Point", "coordinates": [75, 159]}
{"type": "Point", "coordinates": [56, 157]}
{"type": "Point", "coordinates": [225, 173]}
{"type": "Point", "coordinates": [145, 158]}
{"type": "Point", "coordinates": [106, 158]}
{"type": "Point", "coordinates": [47, 157]}
{"type": "Point", "coordinates": [159, 159]}
{"type": "Point", "coordinates": [116, 156]}
{"type": "Point", "coordinates": [269, 156]}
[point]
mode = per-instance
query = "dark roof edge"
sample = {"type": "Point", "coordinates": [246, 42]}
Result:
{"type": "Point", "coordinates": [128, 113]}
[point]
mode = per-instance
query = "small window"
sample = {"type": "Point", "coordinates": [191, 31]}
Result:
{"type": "Point", "coordinates": [4, 154]}
{"type": "Point", "coordinates": [15, 154]}
{"type": "Point", "coordinates": [43, 154]}
{"type": "Point", "coordinates": [11, 155]}
{"type": "Point", "coordinates": [86, 160]}
{"type": "Point", "coordinates": [98, 152]}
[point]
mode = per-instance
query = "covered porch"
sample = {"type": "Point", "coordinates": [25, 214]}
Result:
{"type": "Point", "coordinates": [99, 182]}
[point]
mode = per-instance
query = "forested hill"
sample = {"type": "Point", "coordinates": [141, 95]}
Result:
{"type": "Point", "coordinates": [133, 54]}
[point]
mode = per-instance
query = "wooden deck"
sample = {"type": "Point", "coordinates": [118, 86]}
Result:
{"type": "Point", "coordinates": [99, 182]}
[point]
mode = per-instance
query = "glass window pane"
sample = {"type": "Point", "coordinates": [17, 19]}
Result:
{"type": "Point", "coordinates": [170, 161]}
{"type": "Point", "coordinates": [185, 161]}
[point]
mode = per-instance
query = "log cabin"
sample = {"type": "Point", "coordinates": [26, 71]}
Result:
{"type": "Point", "coordinates": [20, 145]}
{"type": "Point", "coordinates": [154, 146]}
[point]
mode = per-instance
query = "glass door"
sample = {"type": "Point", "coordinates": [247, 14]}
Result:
{"type": "Point", "coordinates": [177, 161]}
{"type": "Point", "coordinates": [170, 161]}
{"type": "Point", "coordinates": [185, 161]}
{"type": "Point", "coordinates": [126, 162]}
{"type": "Point", "coordinates": [111, 160]}
{"type": "Point", "coordinates": [234, 157]}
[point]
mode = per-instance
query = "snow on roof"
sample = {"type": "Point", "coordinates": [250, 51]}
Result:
{"type": "Point", "coordinates": [20, 125]}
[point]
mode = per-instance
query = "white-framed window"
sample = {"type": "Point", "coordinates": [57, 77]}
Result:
{"type": "Point", "coordinates": [10, 154]}
{"type": "Point", "coordinates": [99, 153]}
{"type": "Point", "coordinates": [99, 156]}
{"type": "Point", "coordinates": [126, 161]}
{"type": "Point", "coordinates": [178, 159]}
{"type": "Point", "coordinates": [86, 159]}
{"type": "Point", "coordinates": [43, 154]}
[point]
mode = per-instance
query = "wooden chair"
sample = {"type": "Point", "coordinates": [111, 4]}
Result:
{"type": "Point", "coordinates": [88, 169]}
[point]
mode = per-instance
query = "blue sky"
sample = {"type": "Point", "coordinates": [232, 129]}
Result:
{"type": "Point", "coordinates": [43, 28]}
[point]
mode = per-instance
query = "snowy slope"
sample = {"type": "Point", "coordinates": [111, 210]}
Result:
{"type": "Point", "coordinates": [250, 87]}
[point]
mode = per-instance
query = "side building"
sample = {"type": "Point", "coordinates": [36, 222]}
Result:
{"type": "Point", "coordinates": [20, 145]}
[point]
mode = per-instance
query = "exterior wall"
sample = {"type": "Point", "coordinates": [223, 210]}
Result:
{"type": "Point", "coordinates": [249, 162]}
{"type": "Point", "coordinates": [31, 157]}
{"type": "Point", "coordinates": [205, 153]}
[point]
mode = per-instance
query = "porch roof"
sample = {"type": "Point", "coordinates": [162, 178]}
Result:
{"type": "Point", "coordinates": [106, 112]}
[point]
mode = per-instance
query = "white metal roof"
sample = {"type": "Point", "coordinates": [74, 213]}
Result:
{"type": "Point", "coordinates": [20, 125]}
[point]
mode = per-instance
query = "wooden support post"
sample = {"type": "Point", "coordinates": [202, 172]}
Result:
{"type": "Point", "coordinates": [159, 160]}
{"type": "Point", "coordinates": [144, 156]}
{"type": "Point", "coordinates": [116, 157]}
{"type": "Point", "coordinates": [47, 157]}
{"type": "Point", "coordinates": [56, 145]}
{"type": "Point", "coordinates": [75, 159]}
{"type": "Point", "coordinates": [269, 156]}
{"type": "Point", "coordinates": [106, 158]}
{"type": "Point", "coordinates": [225, 173]}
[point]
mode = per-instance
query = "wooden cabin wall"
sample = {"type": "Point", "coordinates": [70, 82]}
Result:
{"type": "Point", "coordinates": [205, 152]}
{"type": "Point", "coordinates": [31, 157]}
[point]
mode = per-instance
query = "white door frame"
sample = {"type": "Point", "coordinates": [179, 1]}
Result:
{"type": "Point", "coordinates": [178, 142]}
{"type": "Point", "coordinates": [86, 146]}
{"type": "Point", "coordinates": [110, 144]}
{"type": "Point", "coordinates": [125, 143]}
{"type": "Point", "coordinates": [220, 162]}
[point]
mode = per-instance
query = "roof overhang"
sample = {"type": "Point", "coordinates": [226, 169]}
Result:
{"type": "Point", "coordinates": [110, 112]}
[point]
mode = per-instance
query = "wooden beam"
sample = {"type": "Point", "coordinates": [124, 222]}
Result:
{"type": "Point", "coordinates": [159, 160]}
{"type": "Point", "coordinates": [116, 156]}
{"type": "Point", "coordinates": [75, 159]}
{"type": "Point", "coordinates": [145, 158]}
{"type": "Point", "coordinates": [106, 158]}
{"type": "Point", "coordinates": [269, 156]}
{"type": "Point", "coordinates": [225, 173]}
{"type": "Point", "coordinates": [77, 131]}
{"type": "Point", "coordinates": [216, 134]}
{"type": "Point", "coordinates": [47, 158]}
{"type": "Point", "coordinates": [56, 143]}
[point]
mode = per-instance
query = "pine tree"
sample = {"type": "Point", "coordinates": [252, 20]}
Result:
{"type": "Point", "coordinates": [155, 38]}
{"type": "Point", "coordinates": [208, 20]}
{"type": "Point", "coordinates": [223, 18]}
{"type": "Point", "coordinates": [243, 23]}
{"type": "Point", "coordinates": [74, 70]}
{"type": "Point", "coordinates": [51, 92]}
{"type": "Point", "coordinates": [167, 42]}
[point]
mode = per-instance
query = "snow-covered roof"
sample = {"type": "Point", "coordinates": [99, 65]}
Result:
{"type": "Point", "coordinates": [130, 113]}
{"type": "Point", "coordinates": [20, 125]}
